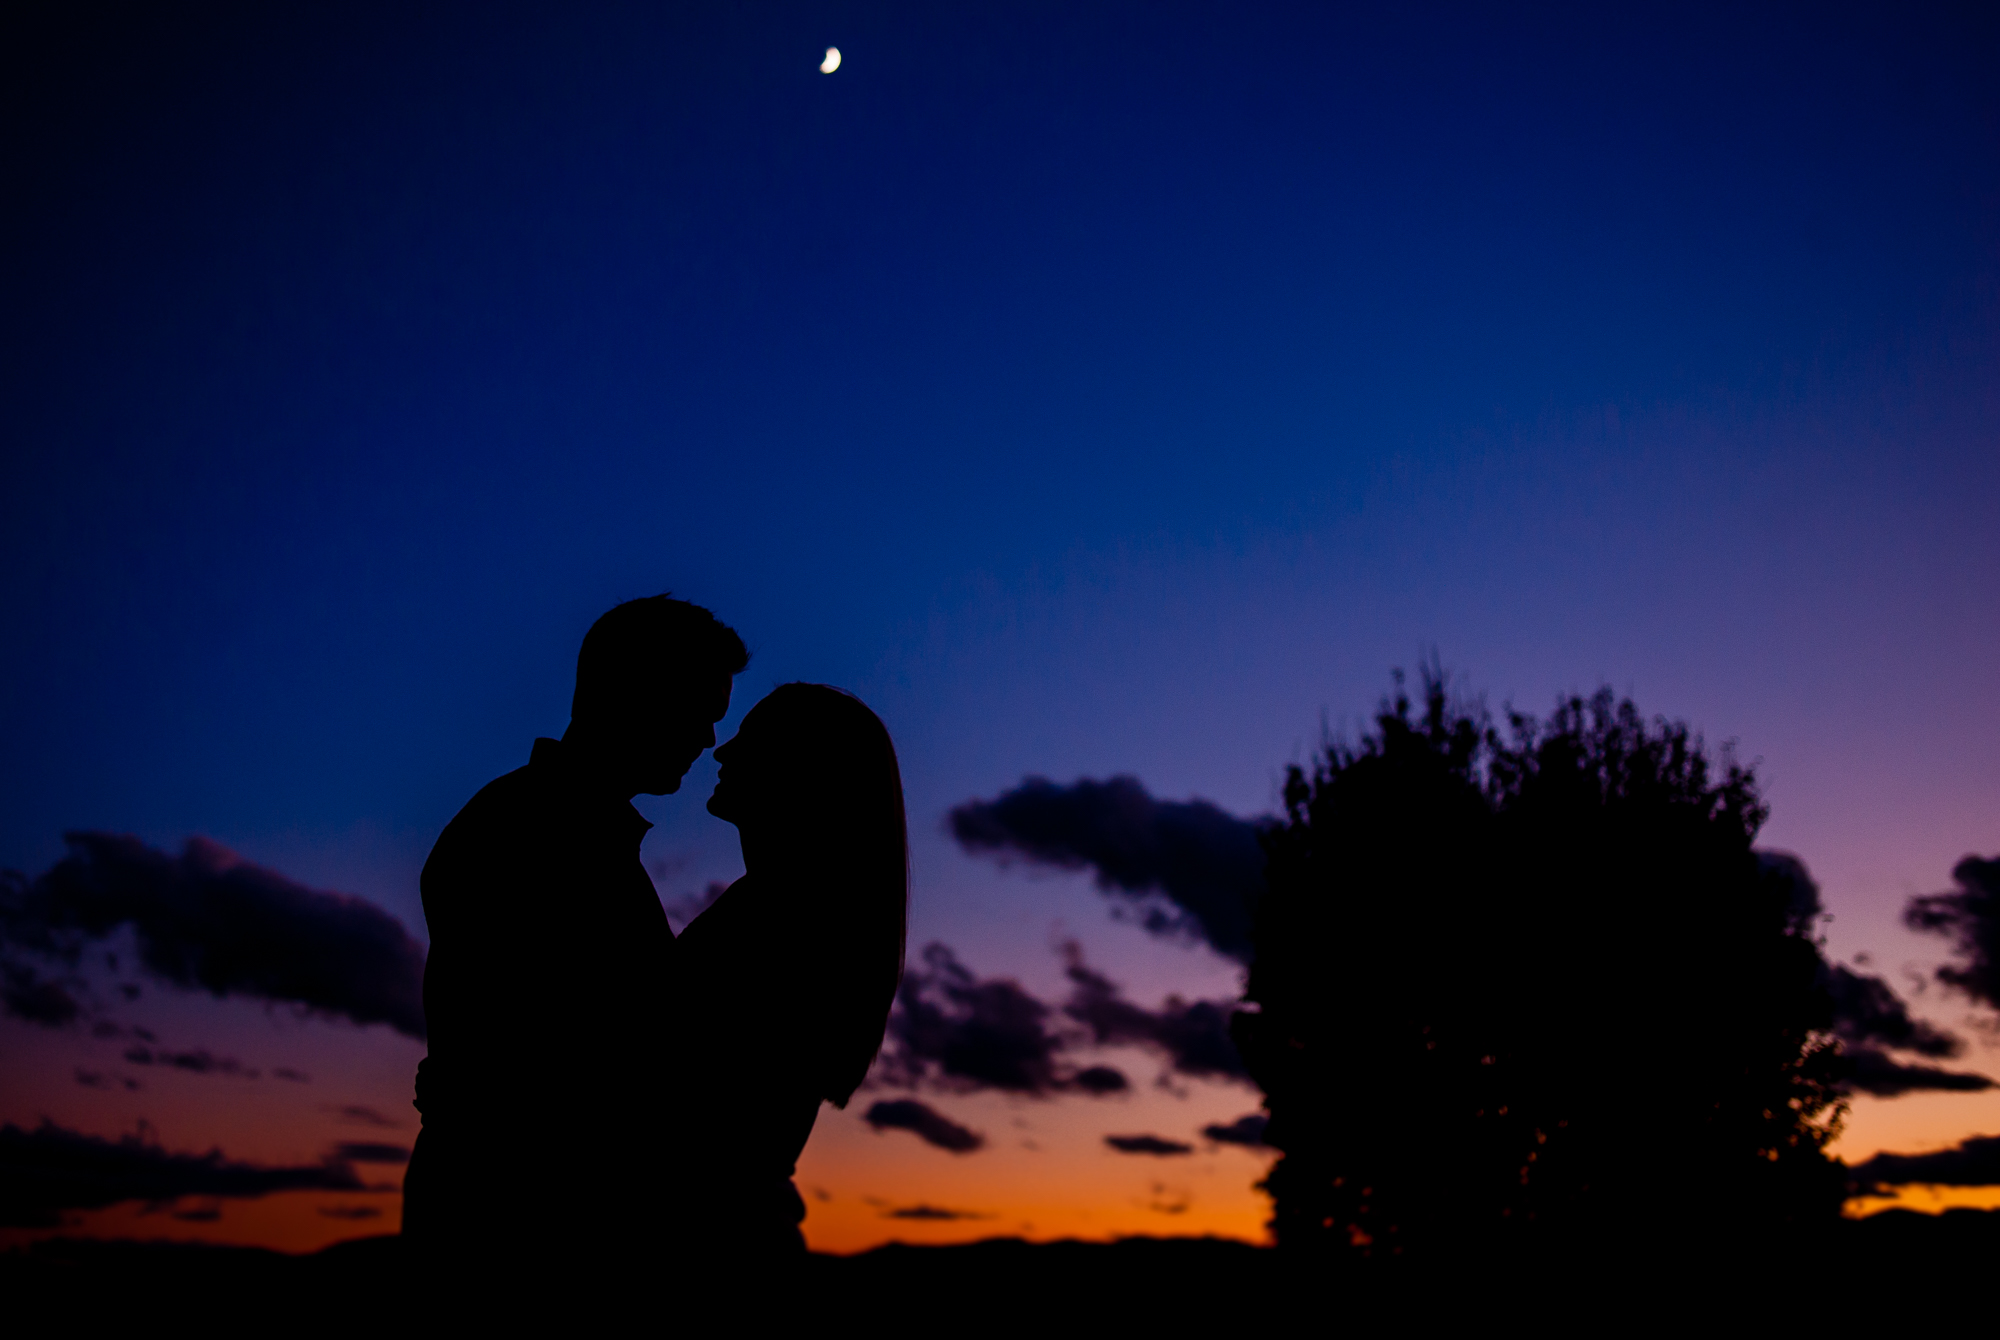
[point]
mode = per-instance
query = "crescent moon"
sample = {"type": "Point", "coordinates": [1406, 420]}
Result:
{"type": "Point", "coordinates": [832, 61]}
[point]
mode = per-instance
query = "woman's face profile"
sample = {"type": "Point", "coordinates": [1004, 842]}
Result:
{"type": "Point", "coordinates": [744, 776]}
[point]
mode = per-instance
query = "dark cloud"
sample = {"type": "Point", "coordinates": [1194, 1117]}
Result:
{"type": "Point", "coordinates": [1247, 1130]}
{"type": "Point", "coordinates": [1803, 903]}
{"type": "Point", "coordinates": [925, 1122]}
{"type": "Point", "coordinates": [955, 1031]}
{"type": "Point", "coordinates": [200, 1061]}
{"type": "Point", "coordinates": [1868, 1017]}
{"type": "Point", "coordinates": [1871, 1021]}
{"type": "Point", "coordinates": [1974, 1161]}
{"type": "Point", "coordinates": [1147, 1144]}
{"type": "Point", "coordinates": [208, 920]}
{"type": "Point", "coordinates": [355, 1151]}
{"type": "Point", "coordinates": [1866, 1011]}
{"type": "Point", "coordinates": [295, 1076]}
{"type": "Point", "coordinates": [1875, 1071]}
{"type": "Point", "coordinates": [355, 1114]}
{"type": "Point", "coordinates": [1100, 1080]}
{"type": "Point", "coordinates": [48, 1170]}
{"type": "Point", "coordinates": [1970, 917]}
{"type": "Point", "coordinates": [1207, 863]}
{"type": "Point", "coordinates": [932, 1212]}
{"type": "Point", "coordinates": [350, 1211]}
{"type": "Point", "coordinates": [1193, 1035]}
{"type": "Point", "coordinates": [28, 995]}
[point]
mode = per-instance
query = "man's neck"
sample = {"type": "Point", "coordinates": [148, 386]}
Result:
{"type": "Point", "coordinates": [594, 767]}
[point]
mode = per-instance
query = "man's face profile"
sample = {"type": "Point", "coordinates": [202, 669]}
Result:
{"type": "Point", "coordinates": [673, 735]}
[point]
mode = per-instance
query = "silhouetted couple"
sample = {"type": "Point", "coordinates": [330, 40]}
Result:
{"type": "Point", "coordinates": [602, 1100]}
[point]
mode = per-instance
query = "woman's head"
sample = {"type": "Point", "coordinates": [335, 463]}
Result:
{"type": "Point", "coordinates": [809, 756]}
{"type": "Point", "coordinates": [811, 782]}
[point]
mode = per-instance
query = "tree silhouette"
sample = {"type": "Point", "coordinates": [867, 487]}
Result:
{"type": "Point", "coordinates": [1531, 993]}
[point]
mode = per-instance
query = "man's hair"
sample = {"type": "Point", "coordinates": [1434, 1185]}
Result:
{"type": "Point", "coordinates": [645, 646]}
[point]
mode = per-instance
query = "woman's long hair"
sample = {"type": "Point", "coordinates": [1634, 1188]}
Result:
{"type": "Point", "coordinates": [845, 795]}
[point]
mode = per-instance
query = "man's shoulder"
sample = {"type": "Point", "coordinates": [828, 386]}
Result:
{"type": "Point", "coordinates": [503, 813]}
{"type": "Point", "coordinates": [501, 805]}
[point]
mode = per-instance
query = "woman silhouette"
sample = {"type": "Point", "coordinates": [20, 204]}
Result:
{"type": "Point", "coordinates": [785, 982]}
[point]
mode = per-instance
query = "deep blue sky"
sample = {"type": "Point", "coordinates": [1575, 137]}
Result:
{"type": "Point", "coordinates": [1093, 388]}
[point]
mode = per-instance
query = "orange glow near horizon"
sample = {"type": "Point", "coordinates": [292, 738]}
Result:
{"type": "Point", "coordinates": [285, 1221]}
{"type": "Point", "coordinates": [1919, 1123]}
{"type": "Point", "coordinates": [1045, 1174]}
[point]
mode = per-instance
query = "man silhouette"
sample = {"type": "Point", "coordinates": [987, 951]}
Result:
{"type": "Point", "coordinates": [546, 987]}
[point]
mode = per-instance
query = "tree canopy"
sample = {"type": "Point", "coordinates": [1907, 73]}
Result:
{"type": "Point", "coordinates": [1529, 989]}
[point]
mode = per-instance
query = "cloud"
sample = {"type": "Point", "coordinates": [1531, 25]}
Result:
{"type": "Point", "coordinates": [200, 1061]}
{"type": "Point", "coordinates": [26, 994]}
{"type": "Point", "coordinates": [1100, 1080]}
{"type": "Point", "coordinates": [955, 1031]}
{"type": "Point", "coordinates": [925, 1122]}
{"type": "Point", "coordinates": [1868, 1017]}
{"type": "Point", "coordinates": [1871, 1021]}
{"type": "Point", "coordinates": [1247, 1130]}
{"type": "Point", "coordinates": [1206, 862]}
{"type": "Point", "coordinates": [1866, 1011]}
{"type": "Point", "coordinates": [50, 1169]}
{"type": "Point", "coordinates": [1875, 1071]}
{"type": "Point", "coordinates": [208, 920]}
{"type": "Point", "coordinates": [931, 1212]}
{"type": "Point", "coordinates": [1147, 1144]}
{"type": "Point", "coordinates": [355, 1114]}
{"type": "Point", "coordinates": [1970, 917]}
{"type": "Point", "coordinates": [350, 1211]}
{"type": "Point", "coordinates": [1194, 1035]}
{"type": "Point", "coordinates": [1803, 903]}
{"type": "Point", "coordinates": [1974, 1161]}
{"type": "Point", "coordinates": [356, 1151]}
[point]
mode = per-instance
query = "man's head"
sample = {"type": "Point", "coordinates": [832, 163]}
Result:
{"type": "Point", "coordinates": [651, 682]}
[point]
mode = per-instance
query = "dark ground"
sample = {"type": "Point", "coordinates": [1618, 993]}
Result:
{"type": "Point", "coordinates": [1060, 1287]}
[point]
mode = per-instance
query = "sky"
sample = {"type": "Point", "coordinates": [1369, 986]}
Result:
{"type": "Point", "coordinates": [1094, 390]}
